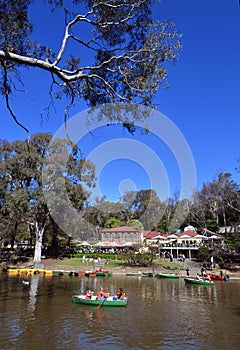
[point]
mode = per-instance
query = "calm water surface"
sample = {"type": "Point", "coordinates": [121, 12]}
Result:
{"type": "Point", "coordinates": [162, 314]}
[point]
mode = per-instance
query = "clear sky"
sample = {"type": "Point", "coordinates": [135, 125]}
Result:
{"type": "Point", "coordinates": [203, 103]}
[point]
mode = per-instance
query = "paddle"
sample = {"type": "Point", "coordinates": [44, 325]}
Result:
{"type": "Point", "coordinates": [100, 305]}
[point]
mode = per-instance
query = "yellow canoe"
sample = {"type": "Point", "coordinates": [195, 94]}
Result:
{"type": "Point", "coordinates": [29, 271]}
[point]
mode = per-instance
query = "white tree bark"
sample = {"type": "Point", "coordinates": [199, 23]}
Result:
{"type": "Point", "coordinates": [39, 238]}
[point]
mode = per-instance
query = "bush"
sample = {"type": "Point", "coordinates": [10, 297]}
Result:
{"type": "Point", "coordinates": [203, 253]}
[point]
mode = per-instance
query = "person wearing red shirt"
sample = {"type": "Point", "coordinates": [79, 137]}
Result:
{"type": "Point", "coordinates": [88, 294]}
{"type": "Point", "coordinates": [101, 295]}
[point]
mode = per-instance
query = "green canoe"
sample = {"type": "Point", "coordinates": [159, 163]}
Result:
{"type": "Point", "coordinates": [195, 281]}
{"type": "Point", "coordinates": [109, 301]}
{"type": "Point", "coordinates": [139, 274]}
{"type": "Point", "coordinates": [104, 274]}
{"type": "Point", "coordinates": [168, 275]}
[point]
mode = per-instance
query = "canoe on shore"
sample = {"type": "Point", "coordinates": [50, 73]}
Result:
{"type": "Point", "coordinates": [28, 271]}
{"type": "Point", "coordinates": [218, 277]}
{"type": "Point", "coordinates": [82, 273]}
{"type": "Point", "coordinates": [148, 274]}
{"type": "Point", "coordinates": [168, 275]}
{"type": "Point", "coordinates": [169, 268]}
{"type": "Point", "coordinates": [109, 301]}
{"type": "Point", "coordinates": [99, 272]}
{"type": "Point", "coordinates": [66, 273]}
{"type": "Point", "coordinates": [196, 281]}
{"type": "Point", "coordinates": [103, 274]}
{"type": "Point", "coordinates": [138, 274]}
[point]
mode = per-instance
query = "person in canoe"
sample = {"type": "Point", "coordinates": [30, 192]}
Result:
{"type": "Point", "coordinates": [101, 295]}
{"type": "Point", "coordinates": [89, 294]}
{"type": "Point", "coordinates": [208, 278]}
{"type": "Point", "coordinates": [198, 277]}
{"type": "Point", "coordinates": [120, 295]}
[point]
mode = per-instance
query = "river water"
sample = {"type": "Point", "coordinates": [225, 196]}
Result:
{"type": "Point", "coordinates": [161, 314]}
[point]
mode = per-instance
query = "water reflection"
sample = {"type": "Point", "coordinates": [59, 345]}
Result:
{"type": "Point", "coordinates": [162, 314]}
{"type": "Point", "coordinates": [33, 291]}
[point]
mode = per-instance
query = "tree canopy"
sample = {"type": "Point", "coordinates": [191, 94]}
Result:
{"type": "Point", "coordinates": [110, 50]}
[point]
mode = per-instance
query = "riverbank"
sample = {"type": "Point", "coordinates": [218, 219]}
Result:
{"type": "Point", "coordinates": [193, 266]}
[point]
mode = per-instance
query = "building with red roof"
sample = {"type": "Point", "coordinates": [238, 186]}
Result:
{"type": "Point", "coordinates": [122, 234]}
{"type": "Point", "coordinates": [187, 242]}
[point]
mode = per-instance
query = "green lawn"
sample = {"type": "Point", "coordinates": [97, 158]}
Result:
{"type": "Point", "coordinates": [76, 262]}
{"type": "Point", "coordinates": [168, 263]}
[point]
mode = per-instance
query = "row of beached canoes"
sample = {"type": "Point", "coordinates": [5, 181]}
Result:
{"type": "Point", "coordinates": [28, 271]}
{"type": "Point", "coordinates": [176, 275]}
{"type": "Point", "coordinates": [98, 273]}
{"type": "Point", "coordinates": [207, 279]}
{"type": "Point", "coordinates": [33, 271]}
{"type": "Point", "coordinates": [104, 273]}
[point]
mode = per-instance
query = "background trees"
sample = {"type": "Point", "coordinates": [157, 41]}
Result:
{"type": "Point", "coordinates": [25, 214]}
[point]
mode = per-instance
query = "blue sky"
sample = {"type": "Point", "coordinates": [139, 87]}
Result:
{"type": "Point", "coordinates": [203, 101]}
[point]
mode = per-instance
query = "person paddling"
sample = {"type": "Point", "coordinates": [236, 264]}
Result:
{"type": "Point", "coordinates": [101, 295]}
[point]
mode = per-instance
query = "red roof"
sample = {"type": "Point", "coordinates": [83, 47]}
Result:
{"type": "Point", "coordinates": [189, 233]}
{"type": "Point", "coordinates": [151, 234]}
{"type": "Point", "coordinates": [120, 229]}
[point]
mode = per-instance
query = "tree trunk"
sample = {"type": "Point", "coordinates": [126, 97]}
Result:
{"type": "Point", "coordinates": [38, 245]}
{"type": "Point", "coordinates": [54, 244]}
{"type": "Point", "coordinates": [14, 235]}
{"type": "Point", "coordinates": [224, 222]}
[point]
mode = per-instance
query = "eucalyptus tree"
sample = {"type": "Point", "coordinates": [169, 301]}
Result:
{"type": "Point", "coordinates": [22, 183]}
{"type": "Point", "coordinates": [4, 155]}
{"type": "Point", "coordinates": [198, 213]}
{"type": "Point", "coordinates": [180, 215]}
{"type": "Point", "coordinates": [68, 177]}
{"type": "Point", "coordinates": [21, 176]}
{"type": "Point", "coordinates": [145, 206]}
{"type": "Point", "coordinates": [102, 213]}
{"type": "Point", "coordinates": [128, 202]}
{"type": "Point", "coordinates": [96, 219]}
{"type": "Point", "coordinates": [14, 185]}
{"type": "Point", "coordinates": [221, 198]}
{"type": "Point", "coordinates": [110, 51]}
